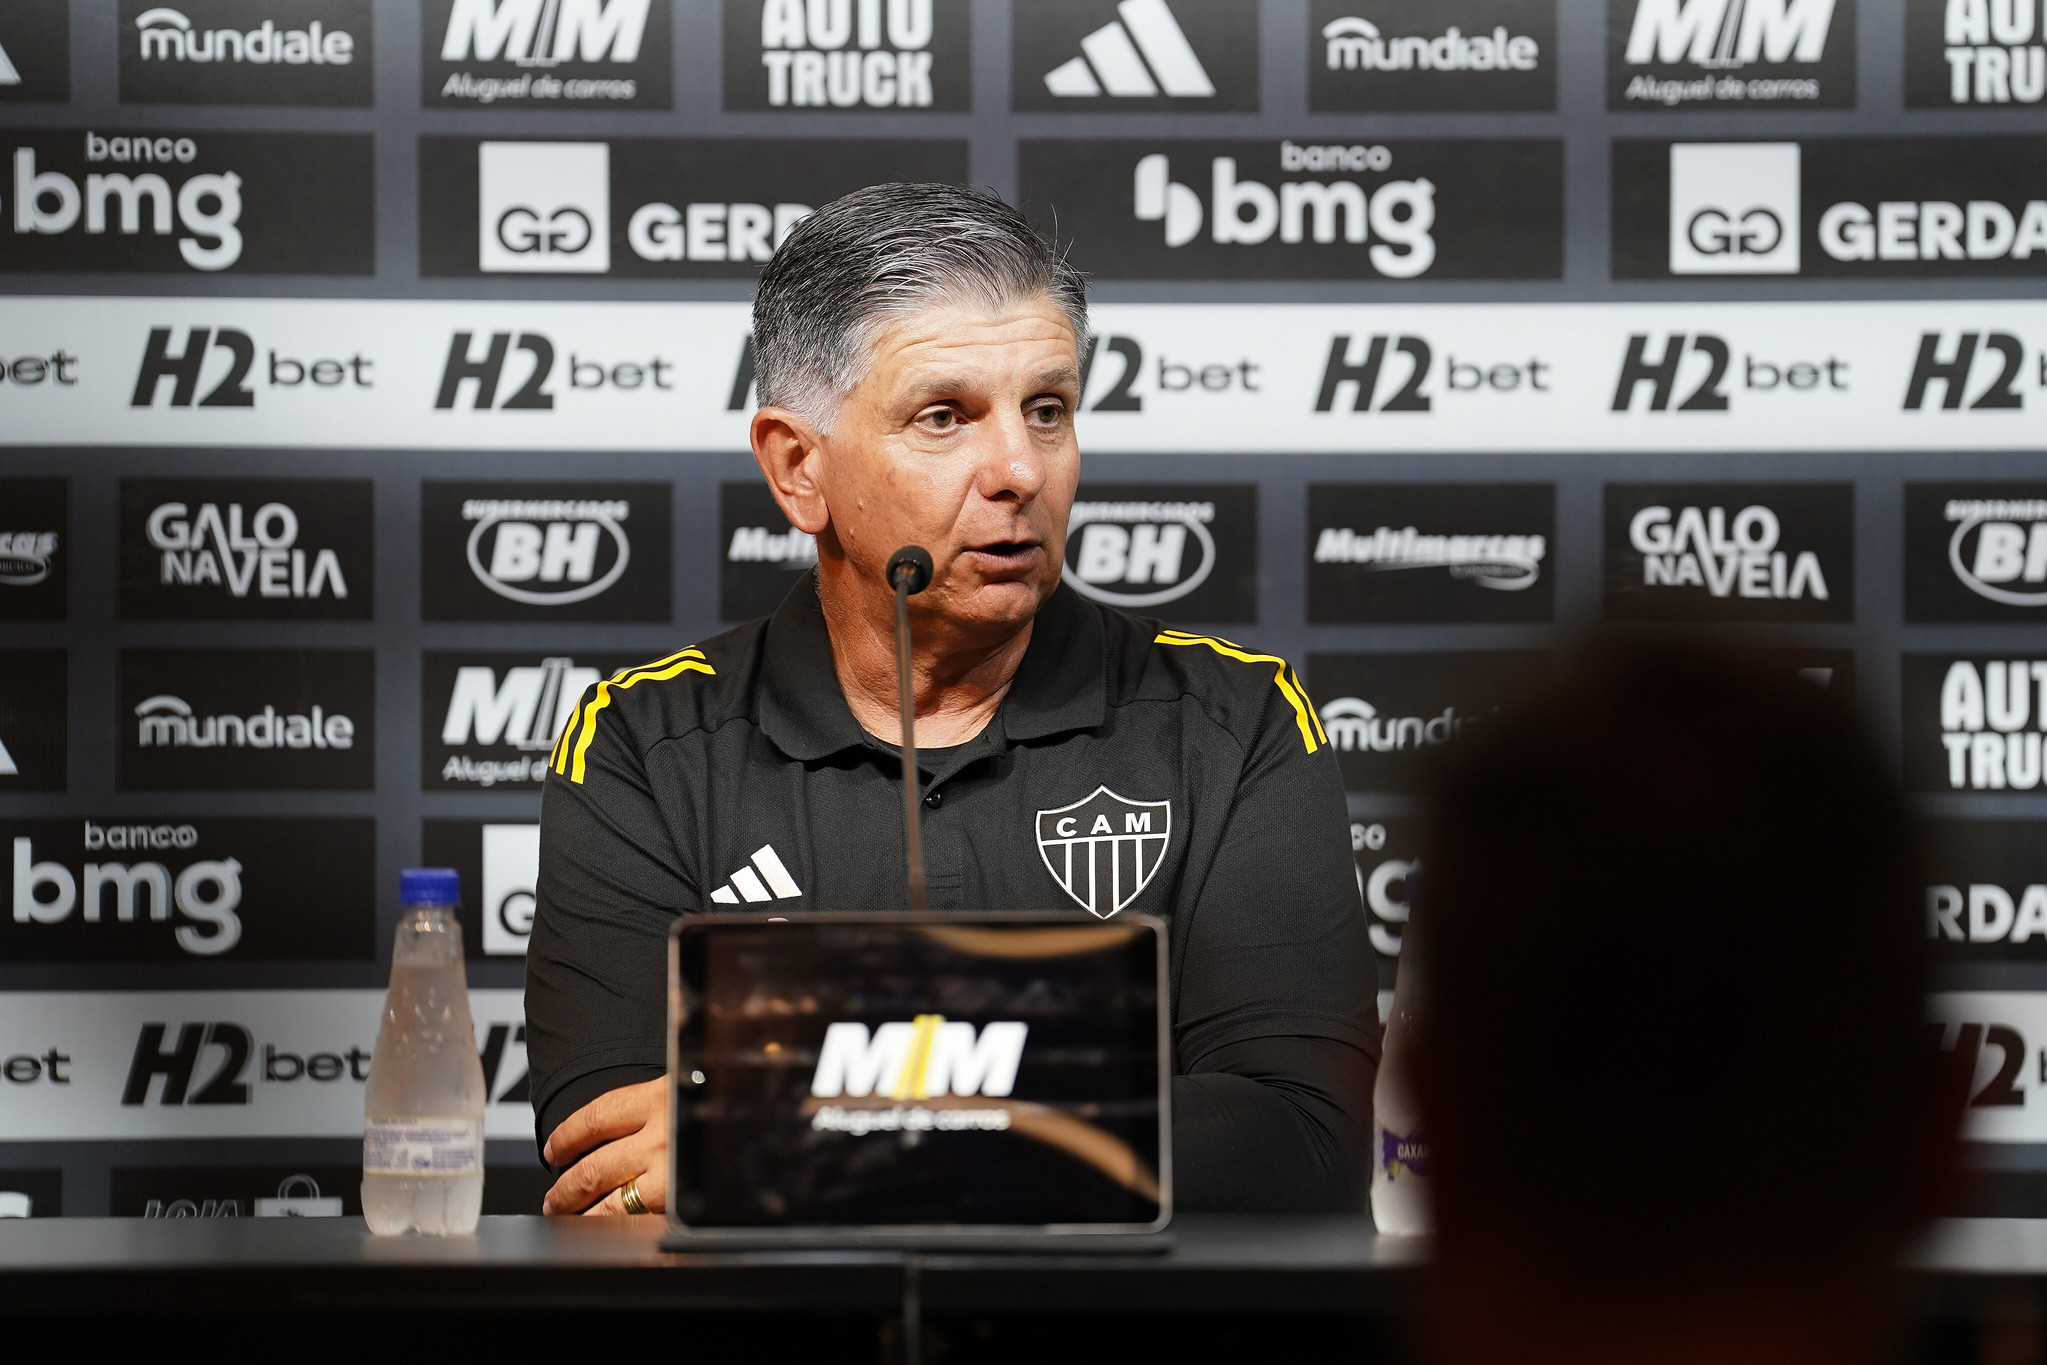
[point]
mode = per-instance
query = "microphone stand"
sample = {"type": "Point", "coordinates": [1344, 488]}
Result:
{"type": "Point", "coordinates": [909, 572]}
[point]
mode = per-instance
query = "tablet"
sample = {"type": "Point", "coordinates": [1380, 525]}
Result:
{"type": "Point", "coordinates": [878, 1078]}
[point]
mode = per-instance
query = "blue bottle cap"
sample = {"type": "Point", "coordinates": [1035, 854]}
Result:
{"type": "Point", "coordinates": [430, 886]}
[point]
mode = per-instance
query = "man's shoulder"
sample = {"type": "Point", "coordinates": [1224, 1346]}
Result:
{"type": "Point", "coordinates": [1243, 688]}
{"type": "Point", "coordinates": [687, 691]}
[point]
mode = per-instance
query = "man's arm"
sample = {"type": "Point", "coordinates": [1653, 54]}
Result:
{"type": "Point", "coordinates": [1276, 1020]}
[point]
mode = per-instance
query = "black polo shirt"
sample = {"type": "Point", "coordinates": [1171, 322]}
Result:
{"type": "Point", "coordinates": [733, 775]}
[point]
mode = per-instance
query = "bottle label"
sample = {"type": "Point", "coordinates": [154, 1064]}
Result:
{"type": "Point", "coordinates": [1403, 1154]}
{"type": "Point", "coordinates": [422, 1146]}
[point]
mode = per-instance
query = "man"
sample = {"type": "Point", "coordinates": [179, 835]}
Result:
{"type": "Point", "coordinates": [1679, 1095]}
{"type": "Point", "coordinates": [918, 363]}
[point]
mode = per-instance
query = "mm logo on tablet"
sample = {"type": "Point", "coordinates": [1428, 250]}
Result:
{"type": "Point", "coordinates": [925, 1058]}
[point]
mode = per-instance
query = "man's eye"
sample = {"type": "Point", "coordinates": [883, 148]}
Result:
{"type": "Point", "coordinates": [1048, 413]}
{"type": "Point", "coordinates": [942, 418]}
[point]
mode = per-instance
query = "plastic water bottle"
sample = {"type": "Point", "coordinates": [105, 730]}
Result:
{"type": "Point", "coordinates": [1400, 1149]}
{"type": "Point", "coordinates": [422, 1146]}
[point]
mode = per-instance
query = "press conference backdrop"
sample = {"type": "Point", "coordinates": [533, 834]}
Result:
{"type": "Point", "coordinates": [374, 376]}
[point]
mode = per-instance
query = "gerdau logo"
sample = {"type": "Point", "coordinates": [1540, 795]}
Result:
{"type": "Point", "coordinates": [923, 1059]}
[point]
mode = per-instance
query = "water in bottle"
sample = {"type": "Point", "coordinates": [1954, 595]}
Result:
{"type": "Point", "coordinates": [1400, 1149]}
{"type": "Point", "coordinates": [422, 1160]}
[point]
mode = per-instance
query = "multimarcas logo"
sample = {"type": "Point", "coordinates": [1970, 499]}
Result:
{"type": "Point", "coordinates": [1260, 210]}
{"type": "Point", "coordinates": [1975, 552]}
{"type": "Point", "coordinates": [1974, 53]}
{"type": "Point", "coordinates": [247, 548]}
{"type": "Point", "coordinates": [1831, 207]}
{"type": "Point", "coordinates": [35, 563]}
{"type": "Point", "coordinates": [1973, 723]}
{"type": "Point", "coordinates": [491, 718]}
{"type": "Point", "coordinates": [136, 890]}
{"type": "Point", "coordinates": [1744, 54]}
{"type": "Point", "coordinates": [165, 201]}
{"type": "Point", "coordinates": [847, 54]}
{"type": "Point", "coordinates": [1730, 552]}
{"type": "Point", "coordinates": [589, 551]}
{"type": "Point", "coordinates": [604, 54]}
{"type": "Point", "coordinates": [1429, 54]}
{"type": "Point", "coordinates": [246, 719]}
{"type": "Point", "coordinates": [1429, 552]}
{"type": "Point", "coordinates": [764, 554]}
{"type": "Point", "coordinates": [246, 52]}
{"type": "Point", "coordinates": [1385, 713]}
{"type": "Point", "coordinates": [1189, 551]}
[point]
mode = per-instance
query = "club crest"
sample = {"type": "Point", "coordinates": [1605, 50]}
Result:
{"type": "Point", "coordinates": [1104, 848]}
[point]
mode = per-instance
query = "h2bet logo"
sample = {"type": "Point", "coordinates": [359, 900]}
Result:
{"type": "Point", "coordinates": [847, 54]}
{"type": "Point", "coordinates": [251, 549]}
{"type": "Point", "coordinates": [605, 54]}
{"type": "Point", "coordinates": [1741, 54]}
{"type": "Point", "coordinates": [525, 551]}
{"type": "Point", "coordinates": [532, 383]}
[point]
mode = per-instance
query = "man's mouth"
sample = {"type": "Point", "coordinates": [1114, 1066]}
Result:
{"type": "Point", "coordinates": [1004, 554]}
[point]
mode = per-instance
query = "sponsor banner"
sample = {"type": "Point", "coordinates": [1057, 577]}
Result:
{"type": "Point", "coordinates": [1386, 852]}
{"type": "Point", "coordinates": [1255, 209]}
{"type": "Point", "coordinates": [499, 862]}
{"type": "Point", "coordinates": [33, 726]}
{"type": "Point", "coordinates": [1431, 552]}
{"type": "Point", "coordinates": [544, 54]}
{"type": "Point", "coordinates": [1974, 54]}
{"type": "Point", "coordinates": [2006, 1032]}
{"type": "Point", "coordinates": [1231, 379]}
{"type": "Point", "coordinates": [489, 719]}
{"type": "Point", "coordinates": [35, 50]}
{"type": "Point", "coordinates": [35, 556]}
{"type": "Point", "coordinates": [1730, 552]}
{"type": "Point", "coordinates": [1167, 56]}
{"type": "Point", "coordinates": [1179, 551]}
{"type": "Point", "coordinates": [1386, 713]}
{"type": "Point", "coordinates": [230, 1064]}
{"type": "Point", "coordinates": [1974, 722]}
{"type": "Point", "coordinates": [32, 1192]}
{"type": "Point", "coordinates": [163, 200]}
{"type": "Point", "coordinates": [245, 720]}
{"type": "Point", "coordinates": [644, 207]}
{"type": "Point", "coordinates": [1730, 54]}
{"type": "Point", "coordinates": [1830, 670]}
{"type": "Point", "coordinates": [1986, 889]}
{"type": "Point", "coordinates": [246, 52]}
{"type": "Point", "coordinates": [531, 551]}
{"type": "Point", "coordinates": [1829, 208]}
{"type": "Point", "coordinates": [1395, 55]}
{"type": "Point", "coordinates": [146, 889]}
{"type": "Point", "coordinates": [878, 54]}
{"type": "Point", "coordinates": [292, 1190]}
{"type": "Point", "coordinates": [1976, 551]}
{"type": "Point", "coordinates": [247, 549]}
{"type": "Point", "coordinates": [764, 554]}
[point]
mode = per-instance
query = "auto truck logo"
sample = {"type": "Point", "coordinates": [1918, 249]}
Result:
{"type": "Point", "coordinates": [1734, 208]}
{"type": "Point", "coordinates": [1503, 563]}
{"type": "Point", "coordinates": [1140, 554]}
{"type": "Point", "coordinates": [1990, 723]}
{"type": "Point", "coordinates": [546, 553]}
{"type": "Point", "coordinates": [545, 33]}
{"type": "Point", "coordinates": [544, 207]}
{"type": "Point", "coordinates": [1141, 53]}
{"type": "Point", "coordinates": [926, 1058]}
{"type": "Point", "coordinates": [1999, 549]}
{"type": "Point", "coordinates": [829, 55]}
{"type": "Point", "coordinates": [1104, 849]}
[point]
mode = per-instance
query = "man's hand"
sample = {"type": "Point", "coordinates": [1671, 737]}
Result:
{"type": "Point", "coordinates": [621, 1135]}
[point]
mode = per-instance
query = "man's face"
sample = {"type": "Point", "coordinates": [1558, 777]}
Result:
{"type": "Point", "coordinates": [960, 438]}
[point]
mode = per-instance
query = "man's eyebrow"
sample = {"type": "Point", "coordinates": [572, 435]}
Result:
{"type": "Point", "coordinates": [1062, 375]}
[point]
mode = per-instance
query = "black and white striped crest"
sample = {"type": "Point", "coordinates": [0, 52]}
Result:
{"type": "Point", "coordinates": [1104, 848]}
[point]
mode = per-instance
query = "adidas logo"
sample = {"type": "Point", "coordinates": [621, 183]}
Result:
{"type": "Point", "coordinates": [1110, 59]}
{"type": "Point", "coordinates": [770, 882]}
{"type": "Point", "coordinates": [7, 768]}
{"type": "Point", "coordinates": [8, 74]}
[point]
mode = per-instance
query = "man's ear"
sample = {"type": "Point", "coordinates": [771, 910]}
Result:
{"type": "Point", "coordinates": [790, 452]}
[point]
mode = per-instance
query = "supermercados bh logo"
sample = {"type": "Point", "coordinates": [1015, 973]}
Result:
{"type": "Point", "coordinates": [649, 207]}
{"type": "Point", "coordinates": [33, 744]}
{"type": "Point", "coordinates": [246, 549]}
{"type": "Point", "coordinates": [147, 890]}
{"type": "Point", "coordinates": [549, 54]}
{"type": "Point", "coordinates": [1385, 714]}
{"type": "Point", "coordinates": [1974, 723]}
{"type": "Point", "coordinates": [763, 554]}
{"type": "Point", "coordinates": [35, 50]}
{"type": "Point", "coordinates": [246, 52]}
{"type": "Point", "coordinates": [490, 719]}
{"type": "Point", "coordinates": [1987, 54]}
{"type": "Point", "coordinates": [1831, 207]}
{"type": "Point", "coordinates": [1250, 209]}
{"type": "Point", "coordinates": [1730, 552]}
{"type": "Point", "coordinates": [847, 54]}
{"type": "Point", "coordinates": [1426, 54]}
{"type": "Point", "coordinates": [499, 863]}
{"type": "Point", "coordinates": [1986, 889]}
{"type": "Point", "coordinates": [1430, 552]}
{"type": "Point", "coordinates": [1181, 56]}
{"type": "Point", "coordinates": [1976, 551]}
{"type": "Point", "coordinates": [1186, 552]}
{"type": "Point", "coordinates": [1730, 54]}
{"type": "Point", "coordinates": [544, 551]}
{"type": "Point", "coordinates": [35, 558]}
{"type": "Point", "coordinates": [164, 201]}
{"type": "Point", "coordinates": [241, 719]}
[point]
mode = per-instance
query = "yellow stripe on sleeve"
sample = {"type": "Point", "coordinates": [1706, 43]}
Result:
{"type": "Point", "coordinates": [1312, 734]}
{"type": "Point", "coordinates": [569, 760]}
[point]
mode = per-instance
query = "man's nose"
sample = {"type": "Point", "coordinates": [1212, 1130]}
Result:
{"type": "Point", "coordinates": [1013, 461]}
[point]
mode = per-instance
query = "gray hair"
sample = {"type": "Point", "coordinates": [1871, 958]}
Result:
{"type": "Point", "coordinates": [879, 254]}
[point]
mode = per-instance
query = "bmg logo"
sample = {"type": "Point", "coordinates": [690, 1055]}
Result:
{"type": "Point", "coordinates": [544, 207]}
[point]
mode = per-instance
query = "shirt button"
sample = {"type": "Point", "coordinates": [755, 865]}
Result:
{"type": "Point", "coordinates": [934, 799]}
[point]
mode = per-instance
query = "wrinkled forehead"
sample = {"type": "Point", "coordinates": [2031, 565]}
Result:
{"type": "Point", "coordinates": [1024, 343]}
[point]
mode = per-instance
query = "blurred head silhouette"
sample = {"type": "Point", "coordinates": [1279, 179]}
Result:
{"type": "Point", "coordinates": [1681, 1101]}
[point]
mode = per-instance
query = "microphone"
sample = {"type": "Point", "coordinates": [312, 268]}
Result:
{"type": "Point", "coordinates": [909, 573]}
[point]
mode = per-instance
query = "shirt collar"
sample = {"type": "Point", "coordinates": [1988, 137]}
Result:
{"type": "Point", "coordinates": [1061, 684]}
